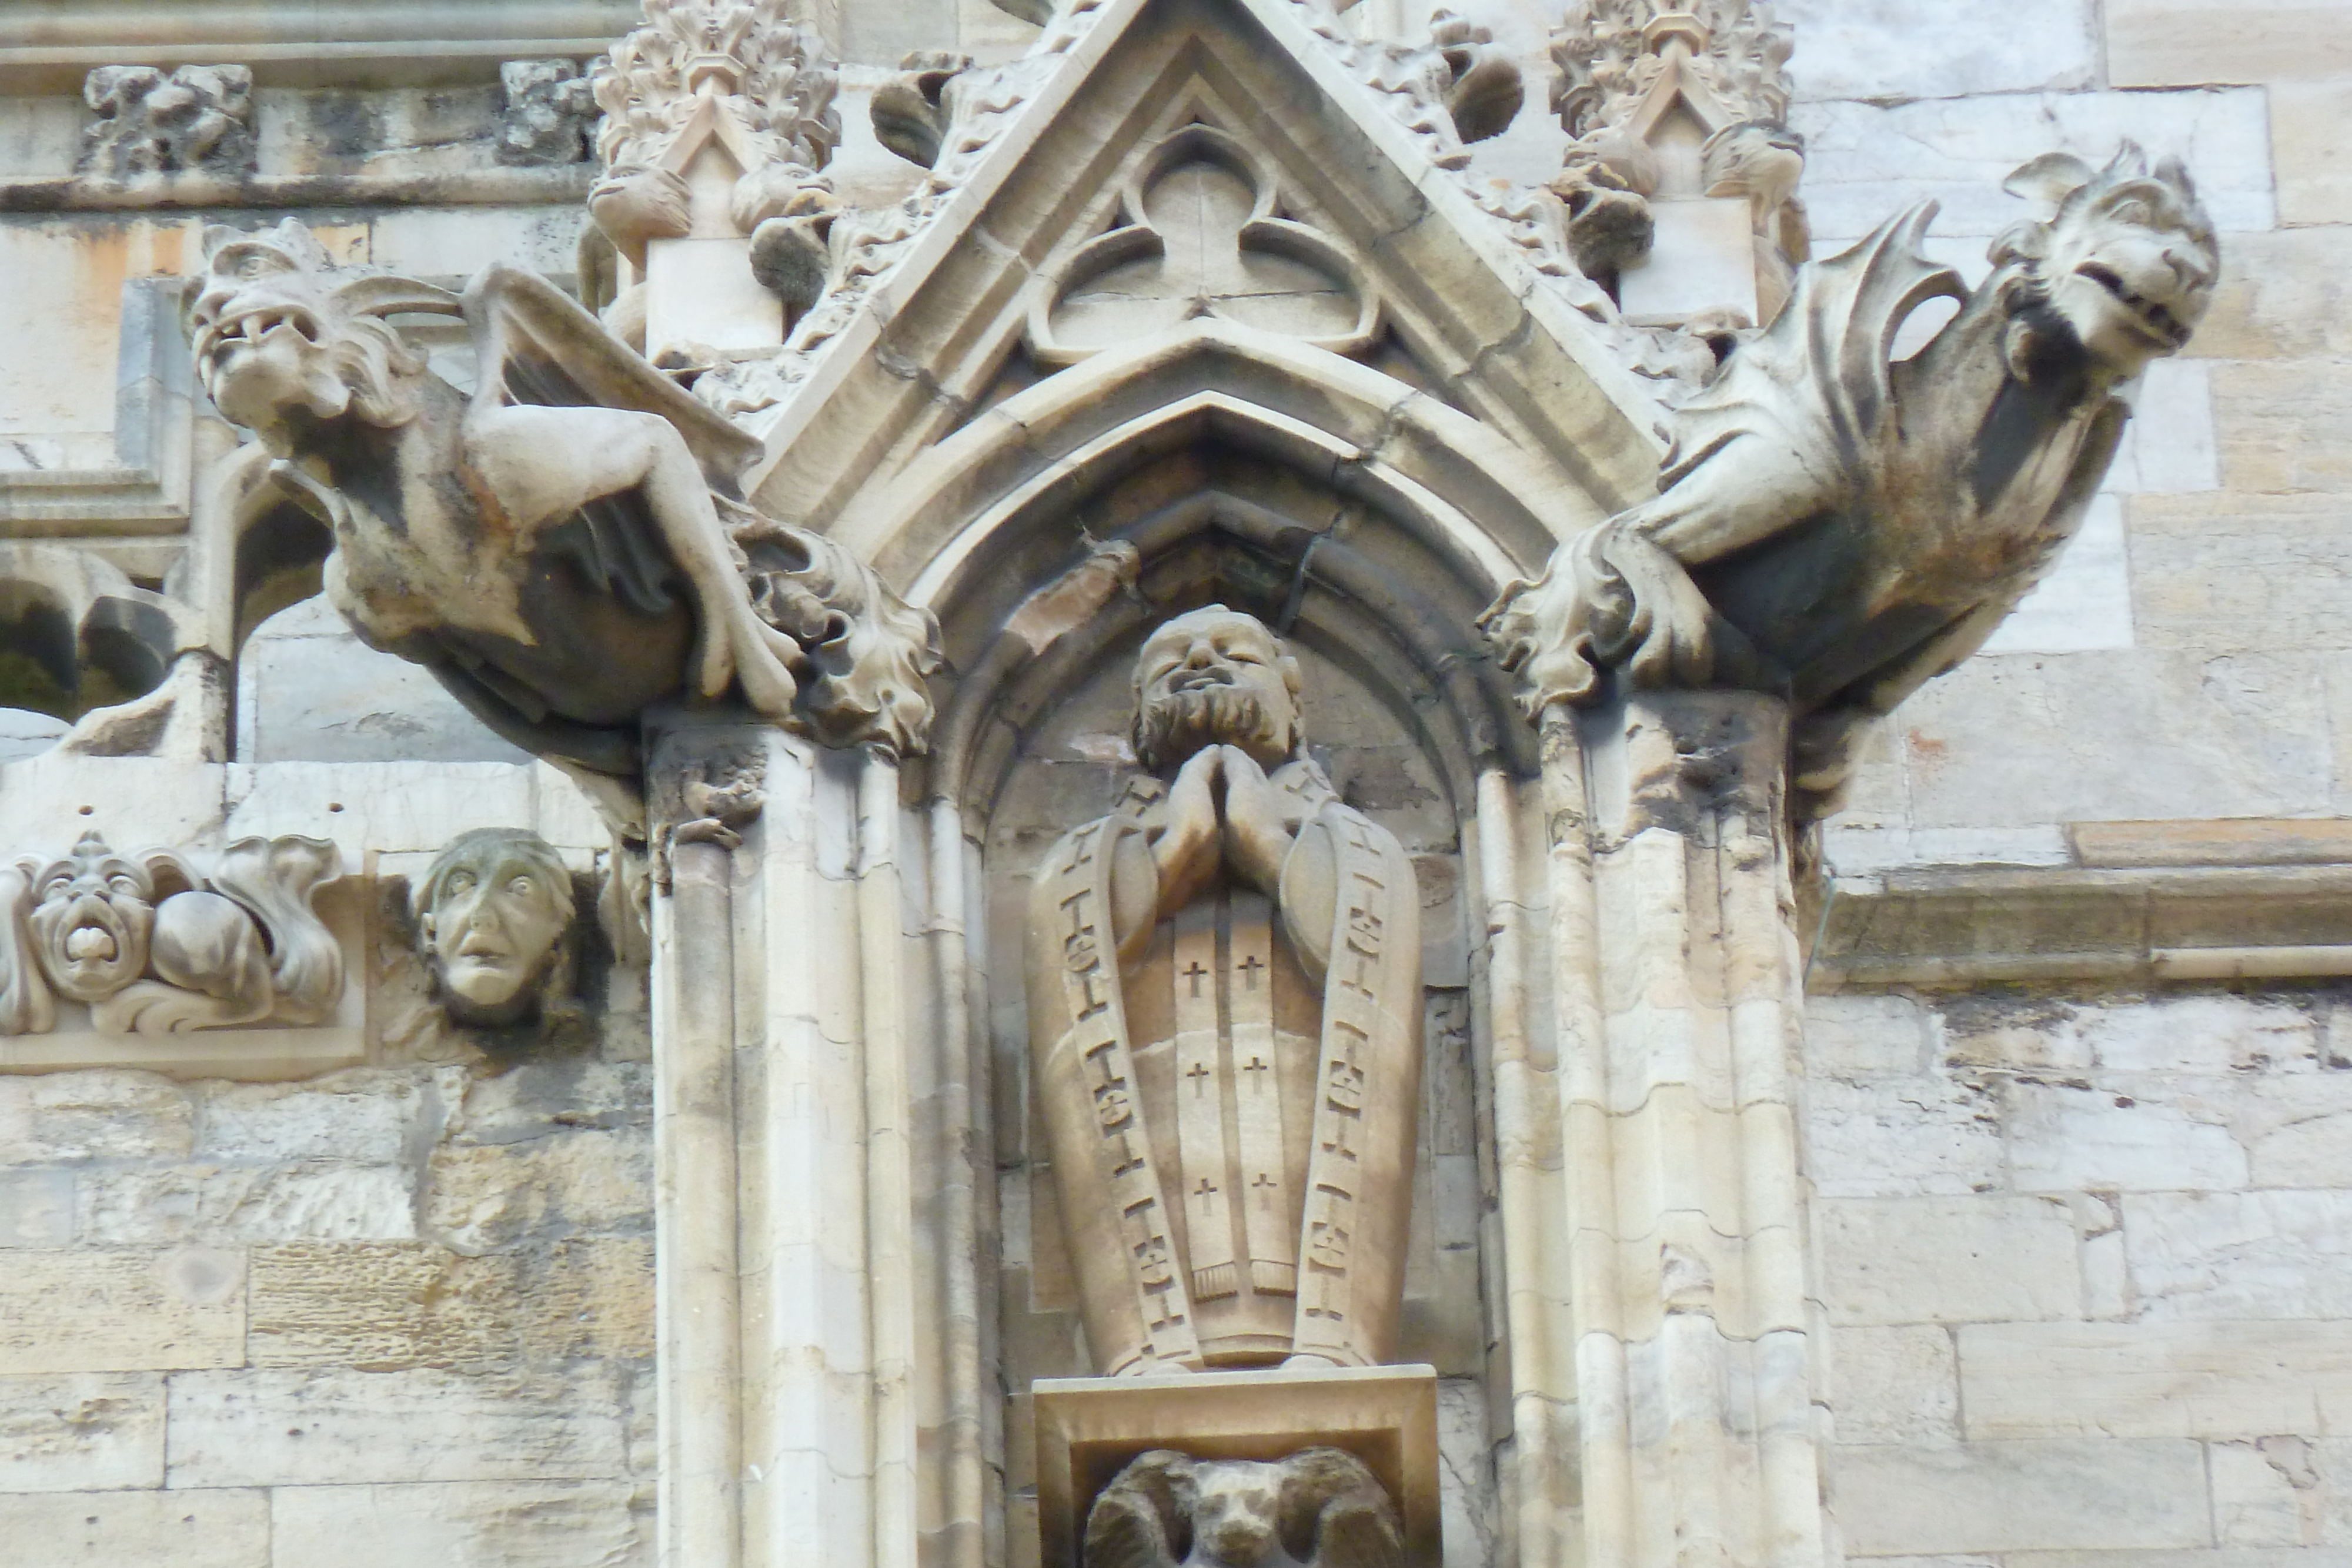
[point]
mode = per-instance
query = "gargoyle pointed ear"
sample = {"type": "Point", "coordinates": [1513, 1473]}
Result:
{"type": "Point", "coordinates": [2050, 179]}
{"type": "Point", "coordinates": [295, 239]}
{"type": "Point", "coordinates": [377, 295]}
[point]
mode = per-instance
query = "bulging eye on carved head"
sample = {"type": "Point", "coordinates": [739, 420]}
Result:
{"type": "Point", "coordinates": [274, 328]}
{"type": "Point", "coordinates": [1216, 676]}
{"type": "Point", "coordinates": [2125, 255]}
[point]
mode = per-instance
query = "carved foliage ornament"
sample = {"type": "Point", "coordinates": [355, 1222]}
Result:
{"type": "Point", "coordinates": [1840, 530]}
{"type": "Point", "coordinates": [152, 945]}
{"type": "Point", "coordinates": [197, 118]}
{"type": "Point", "coordinates": [1319, 1508]}
{"type": "Point", "coordinates": [562, 550]}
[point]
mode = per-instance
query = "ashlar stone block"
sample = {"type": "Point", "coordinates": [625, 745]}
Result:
{"type": "Point", "coordinates": [121, 1309]}
{"type": "Point", "coordinates": [210, 1529]}
{"type": "Point", "coordinates": [2111, 1494]}
{"type": "Point", "coordinates": [86, 1431]}
{"type": "Point", "coordinates": [1945, 1260]}
{"type": "Point", "coordinates": [474, 1524]}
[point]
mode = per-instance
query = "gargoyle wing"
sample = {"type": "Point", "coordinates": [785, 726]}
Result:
{"type": "Point", "coordinates": [534, 344]}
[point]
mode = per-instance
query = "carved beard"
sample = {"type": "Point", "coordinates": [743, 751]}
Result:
{"type": "Point", "coordinates": [90, 946]}
{"type": "Point", "coordinates": [1172, 728]}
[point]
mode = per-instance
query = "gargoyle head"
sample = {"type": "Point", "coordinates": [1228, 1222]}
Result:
{"type": "Point", "coordinates": [93, 913]}
{"type": "Point", "coordinates": [2124, 256]}
{"type": "Point", "coordinates": [283, 340]}
{"type": "Point", "coordinates": [494, 912]}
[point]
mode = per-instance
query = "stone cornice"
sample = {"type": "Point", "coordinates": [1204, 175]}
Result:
{"type": "Point", "coordinates": [50, 46]}
{"type": "Point", "coordinates": [2116, 925]}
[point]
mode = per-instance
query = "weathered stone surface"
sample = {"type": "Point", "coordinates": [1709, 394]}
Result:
{"type": "Point", "coordinates": [121, 1309]}
{"type": "Point", "coordinates": [474, 1524]}
{"type": "Point", "coordinates": [2307, 120]}
{"type": "Point", "coordinates": [2017, 739]}
{"type": "Point", "coordinates": [274, 1426]}
{"type": "Point", "coordinates": [90, 1431]}
{"type": "Point", "coordinates": [360, 1117]}
{"type": "Point", "coordinates": [37, 1208]}
{"type": "Point", "coordinates": [2066, 1139]}
{"type": "Point", "coordinates": [1894, 1385]}
{"type": "Point", "coordinates": [385, 1308]}
{"type": "Point", "coordinates": [1864, 160]}
{"type": "Point", "coordinates": [2220, 1379]}
{"type": "Point", "coordinates": [486, 1196]}
{"type": "Point", "coordinates": [73, 1116]}
{"type": "Point", "coordinates": [2283, 427]}
{"type": "Point", "coordinates": [309, 1201]}
{"type": "Point", "coordinates": [2108, 1493]}
{"type": "Point", "coordinates": [2159, 43]}
{"type": "Point", "coordinates": [1861, 1037]}
{"type": "Point", "coordinates": [209, 1528]}
{"type": "Point", "coordinates": [2199, 1034]}
{"type": "Point", "coordinates": [310, 690]}
{"type": "Point", "coordinates": [1901, 1137]}
{"type": "Point", "coordinates": [2240, 1255]}
{"type": "Point", "coordinates": [1883, 50]}
{"type": "Point", "coordinates": [1945, 1260]}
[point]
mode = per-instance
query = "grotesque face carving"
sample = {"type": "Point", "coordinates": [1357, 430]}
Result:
{"type": "Point", "coordinates": [493, 912]}
{"type": "Point", "coordinates": [2127, 260]}
{"type": "Point", "coordinates": [277, 338]}
{"type": "Point", "coordinates": [1215, 676]}
{"type": "Point", "coordinates": [1319, 1508]}
{"type": "Point", "coordinates": [93, 913]}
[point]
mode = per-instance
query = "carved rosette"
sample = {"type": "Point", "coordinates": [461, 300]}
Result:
{"type": "Point", "coordinates": [152, 945]}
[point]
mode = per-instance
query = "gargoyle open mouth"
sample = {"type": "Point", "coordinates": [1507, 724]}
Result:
{"type": "Point", "coordinates": [252, 326]}
{"type": "Point", "coordinates": [91, 944]}
{"type": "Point", "coordinates": [2150, 314]}
{"type": "Point", "coordinates": [1195, 680]}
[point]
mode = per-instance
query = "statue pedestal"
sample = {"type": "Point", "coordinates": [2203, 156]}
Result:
{"type": "Point", "coordinates": [1089, 1427]}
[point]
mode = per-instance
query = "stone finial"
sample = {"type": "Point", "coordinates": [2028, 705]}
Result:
{"type": "Point", "coordinates": [547, 110]}
{"type": "Point", "coordinates": [152, 945]}
{"type": "Point", "coordinates": [1319, 1508]}
{"type": "Point", "coordinates": [738, 75]}
{"type": "Point", "coordinates": [1670, 109]}
{"type": "Point", "coordinates": [198, 118]}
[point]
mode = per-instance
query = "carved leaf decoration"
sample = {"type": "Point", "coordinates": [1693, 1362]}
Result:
{"type": "Point", "coordinates": [274, 878]}
{"type": "Point", "coordinates": [1199, 236]}
{"type": "Point", "coordinates": [25, 1005]}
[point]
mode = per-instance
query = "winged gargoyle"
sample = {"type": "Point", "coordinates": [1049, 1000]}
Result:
{"type": "Point", "coordinates": [1319, 1508]}
{"type": "Point", "coordinates": [565, 548]}
{"type": "Point", "coordinates": [1838, 528]}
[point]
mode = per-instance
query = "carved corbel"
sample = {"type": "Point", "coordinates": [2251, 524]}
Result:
{"type": "Point", "coordinates": [912, 111]}
{"type": "Point", "coordinates": [1319, 1508]}
{"type": "Point", "coordinates": [152, 945]}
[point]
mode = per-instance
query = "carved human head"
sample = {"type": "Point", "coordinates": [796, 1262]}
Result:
{"type": "Point", "coordinates": [1215, 676]}
{"type": "Point", "coordinates": [1319, 1508]}
{"type": "Point", "coordinates": [494, 915]}
{"type": "Point", "coordinates": [283, 341]}
{"type": "Point", "coordinates": [93, 915]}
{"type": "Point", "coordinates": [2125, 256]}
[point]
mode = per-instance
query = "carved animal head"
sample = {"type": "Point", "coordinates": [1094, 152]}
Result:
{"type": "Point", "coordinates": [1216, 676]}
{"type": "Point", "coordinates": [1319, 1508]}
{"type": "Point", "coordinates": [283, 340]}
{"type": "Point", "coordinates": [493, 911]}
{"type": "Point", "coordinates": [93, 913]}
{"type": "Point", "coordinates": [2124, 256]}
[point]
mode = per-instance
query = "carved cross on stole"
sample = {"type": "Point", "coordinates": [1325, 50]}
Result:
{"type": "Point", "coordinates": [1231, 1102]}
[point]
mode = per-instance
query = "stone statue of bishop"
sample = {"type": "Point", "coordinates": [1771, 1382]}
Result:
{"type": "Point", "coordinates": [1225, 1015]}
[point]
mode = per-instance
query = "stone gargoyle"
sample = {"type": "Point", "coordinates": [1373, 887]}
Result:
{"type": "Point", "coordinates": [1319, 1508]}
{"type": "Point", "coordinates": [565, 548]}
{"type": "Point", "coordinates": [1839, 528]}
{"type": "Point", "coordinates": [153, 947]}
